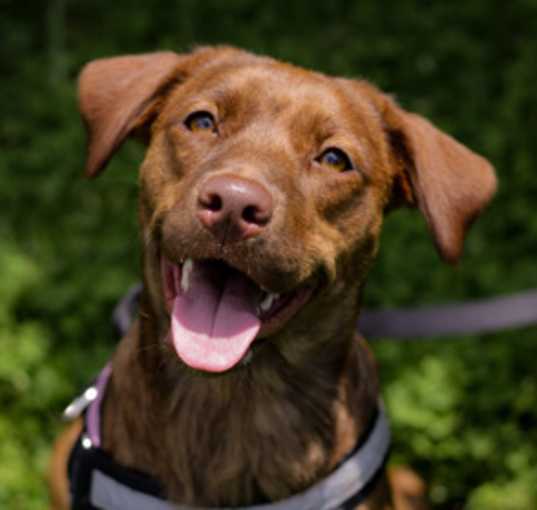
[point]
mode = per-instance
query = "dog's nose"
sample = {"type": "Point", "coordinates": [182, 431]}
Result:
{"type": "Point", "coordinates": [233, 208]}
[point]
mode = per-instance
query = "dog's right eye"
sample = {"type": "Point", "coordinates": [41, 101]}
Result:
{"type": "Point", "coordinates": [200, 121]}
{"type": "Point", "coordinates": [336, 159]}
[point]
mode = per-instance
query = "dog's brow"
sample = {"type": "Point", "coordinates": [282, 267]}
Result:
{"type": "Point", "coordinates": [277, 81]}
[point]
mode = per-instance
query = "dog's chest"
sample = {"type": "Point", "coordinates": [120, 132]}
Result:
{"type": "Point", "coordinates": [242, 450]}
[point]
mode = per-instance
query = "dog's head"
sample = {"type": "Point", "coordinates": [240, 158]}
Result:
{"type": "Point", "coordinates": [263, 191]}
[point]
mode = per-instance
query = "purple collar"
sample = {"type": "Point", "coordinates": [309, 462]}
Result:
{"type": "Point", "coordinates": [90, 401]}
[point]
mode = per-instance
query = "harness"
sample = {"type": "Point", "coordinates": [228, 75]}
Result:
{"type": "Point", "coordinates": [99, 482]}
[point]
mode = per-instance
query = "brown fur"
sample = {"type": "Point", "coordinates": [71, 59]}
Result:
{"type": "Point", "coordinates": [264, 431]}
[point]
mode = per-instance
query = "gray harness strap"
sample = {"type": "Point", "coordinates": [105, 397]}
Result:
{"type": "Point", "coordinates": [109, 494]}
{"type": "Point", "coordinates": [331, 493]}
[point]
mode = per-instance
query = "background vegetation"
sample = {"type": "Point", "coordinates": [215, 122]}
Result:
{"type": "Point", "coordinates": [464, 410]}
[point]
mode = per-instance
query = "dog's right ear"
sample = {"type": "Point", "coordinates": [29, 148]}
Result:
{"type": "Point", "coordinates": [117, 94]}
{"type": "Point", "coordinates": [121, 94]}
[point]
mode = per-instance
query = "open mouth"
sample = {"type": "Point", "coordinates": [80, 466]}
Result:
{"type": "Point", "coordinates": [217, 312]}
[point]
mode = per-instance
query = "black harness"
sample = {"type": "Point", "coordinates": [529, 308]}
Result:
{"type": "Point", "coordinates": [98, 482]}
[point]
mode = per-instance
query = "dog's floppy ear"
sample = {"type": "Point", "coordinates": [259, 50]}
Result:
{"type": "Point", "coordinates": [115, 94]}
{"type": "Point", "coordinates": [449, 183]}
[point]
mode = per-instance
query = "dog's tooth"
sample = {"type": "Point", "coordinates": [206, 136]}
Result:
{"type": "Point", "coordinates": [247, 357]}
{"type": "Point", "coordinates": [268, 301]}
{"type": "Point", "coordinates": [261, 297]}
{"type": "Point", "coordinates": [186, 274]}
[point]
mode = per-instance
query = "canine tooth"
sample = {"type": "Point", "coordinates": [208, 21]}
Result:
{"type": "Point", "coordinates": [186, 274]}
{"type": "Point", "coordinates": [267, 303]}
{"type": "Point", "coordinates": [247, 357]}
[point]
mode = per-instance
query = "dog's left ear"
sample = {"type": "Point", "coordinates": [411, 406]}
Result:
{"type": "Point", "coordinates": [448, 182]}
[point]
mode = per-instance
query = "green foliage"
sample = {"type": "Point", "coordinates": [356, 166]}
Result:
{"type": "Point", "coordinates": [26, 345]}
{"type": "Point", "coordinates": [464, 410]}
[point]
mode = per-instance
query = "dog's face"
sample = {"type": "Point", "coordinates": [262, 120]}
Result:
{"type": "Point", "coordinates": [263, 191]}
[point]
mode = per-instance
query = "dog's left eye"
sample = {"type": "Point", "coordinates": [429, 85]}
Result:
{"type": "Point", "coordinates": [200, 121]}
{"type": "Point", "coordinates": [335, 158]}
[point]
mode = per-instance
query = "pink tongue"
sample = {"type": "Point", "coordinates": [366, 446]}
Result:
{"type": "Point", "coordinates": [212, 328]}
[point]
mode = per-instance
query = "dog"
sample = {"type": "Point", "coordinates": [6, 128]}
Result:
{"type": "Point", "coordinates": [262, 196]}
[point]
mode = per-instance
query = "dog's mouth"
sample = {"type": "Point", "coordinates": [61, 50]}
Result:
{"type": "Point", "coordinates": [217, 312]}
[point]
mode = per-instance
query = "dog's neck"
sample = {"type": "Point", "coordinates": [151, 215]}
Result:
{"type": "Point", "coordinates": [260, 433]}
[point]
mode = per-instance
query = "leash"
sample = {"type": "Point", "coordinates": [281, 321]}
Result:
{"type": "Point", "coordinates": [470, 317]}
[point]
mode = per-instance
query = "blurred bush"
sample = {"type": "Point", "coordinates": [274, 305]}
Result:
{"type": "Point", "coordinates": [464, 410]}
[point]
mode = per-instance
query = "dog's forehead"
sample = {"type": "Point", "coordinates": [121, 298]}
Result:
{"type": "Point", "coordinates": [281, 82]}
{"type": "Point", "coordinates": [273, 86]}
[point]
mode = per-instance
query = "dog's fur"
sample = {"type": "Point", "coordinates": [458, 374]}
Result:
{"type": "Point", "coordinates": [271, 428]}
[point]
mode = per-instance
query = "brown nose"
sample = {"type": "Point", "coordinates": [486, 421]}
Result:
{"type": "Point", "coordinates": [233, 208]}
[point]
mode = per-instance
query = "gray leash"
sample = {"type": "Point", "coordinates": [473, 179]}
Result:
{"type": "Point", "coordinates": [470, 317]}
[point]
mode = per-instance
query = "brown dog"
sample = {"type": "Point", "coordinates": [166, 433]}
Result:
{"type": "Point", "coordinates": [262, 196]}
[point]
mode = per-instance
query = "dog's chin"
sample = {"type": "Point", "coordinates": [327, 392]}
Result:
{"type": "Point", "coordinates": [218, 314]}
